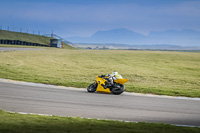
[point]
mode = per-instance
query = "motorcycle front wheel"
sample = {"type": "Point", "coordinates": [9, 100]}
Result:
{"type": "Point", "coordinates": [118, 91]}
{"type": "Point", "coordinates": [92, 87]}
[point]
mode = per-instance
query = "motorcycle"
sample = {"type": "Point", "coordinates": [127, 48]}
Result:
{"type": "Point", "coordinates": [104, 84]}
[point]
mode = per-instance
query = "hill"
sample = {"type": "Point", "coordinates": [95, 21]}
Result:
{"type": "Point", "coordinates": [116, 35]}
{"type": "Point", "coordinates": [120, 36]}
{"type": "Point", "coordinates": [10, 35]}
{"type": "Point", "coordinates": [185, 37]}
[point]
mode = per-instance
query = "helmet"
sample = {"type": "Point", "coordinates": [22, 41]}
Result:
{"type": "Point", "coordinates": [114, 73]}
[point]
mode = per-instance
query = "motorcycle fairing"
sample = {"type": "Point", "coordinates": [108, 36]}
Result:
{"type": "Point", "coordinates": [101, 83]}
{"type": "Point", "coordinates": [121, 81]}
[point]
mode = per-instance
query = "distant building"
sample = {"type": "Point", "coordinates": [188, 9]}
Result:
{"type": "Point", "coordinates": [101, 47]}
{"type": "Point", "coordinates": [88, 48]}
{"type": "Point", "coordinates": [56, 43]}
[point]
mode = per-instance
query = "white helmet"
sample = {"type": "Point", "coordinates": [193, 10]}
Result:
{"type": "Point", "coordinates": [114, 73]}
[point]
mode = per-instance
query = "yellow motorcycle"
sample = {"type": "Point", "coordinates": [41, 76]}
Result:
{"type": "Point", "coordinates": [107, 84]}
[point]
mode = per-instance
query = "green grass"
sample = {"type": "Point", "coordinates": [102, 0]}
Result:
{"type": "Point", "coordinates": [18, 123]}
{"type": "Point", "coordinates": [155, 72]}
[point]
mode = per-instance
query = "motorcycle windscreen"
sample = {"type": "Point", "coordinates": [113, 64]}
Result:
{"type": "Point", "coordinates": [121, 81]}
{"type": "Point", "coordinates": [102, 90]}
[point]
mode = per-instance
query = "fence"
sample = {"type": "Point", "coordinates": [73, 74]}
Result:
{"type": "Point", "coordinates": [22, 30]}
{"type": "Point", "coordinates": [18, 42]}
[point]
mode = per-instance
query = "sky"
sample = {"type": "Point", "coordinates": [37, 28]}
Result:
{"type": "Point", "coordinates": [83, 18]}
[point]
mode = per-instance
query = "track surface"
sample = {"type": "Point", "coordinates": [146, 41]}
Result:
{"type": "Point", "coordinates": [66, 101]}
{"type": "Point", "coordinates": [16, 49]}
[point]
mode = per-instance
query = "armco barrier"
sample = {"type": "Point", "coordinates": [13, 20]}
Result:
{"type": "Point", "coordinates": [18, 42]}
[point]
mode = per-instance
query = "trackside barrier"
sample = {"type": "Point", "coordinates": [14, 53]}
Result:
{"type": "Point", "coordinates": [18, 42]}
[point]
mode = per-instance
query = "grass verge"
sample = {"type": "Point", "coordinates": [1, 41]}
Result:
{"type": "Point", "coordinates": [26, 123]}
{"type": "Point", "coordinates": [155, 72]}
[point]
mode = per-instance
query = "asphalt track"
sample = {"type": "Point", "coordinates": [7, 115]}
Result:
{"type": "Point", "coordinates": [65, 101]}
{"type": "Point", "coordinates": [16, 49]}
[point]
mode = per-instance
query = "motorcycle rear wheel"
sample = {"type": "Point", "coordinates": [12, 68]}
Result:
{"type": "Point", "coordinates": [92, 87]}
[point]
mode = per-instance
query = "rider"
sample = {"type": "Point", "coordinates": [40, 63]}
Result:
{"type": "Point", "coordinates": [111, 77]}
{"type": "Point", "coordinates": [115, 75]}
